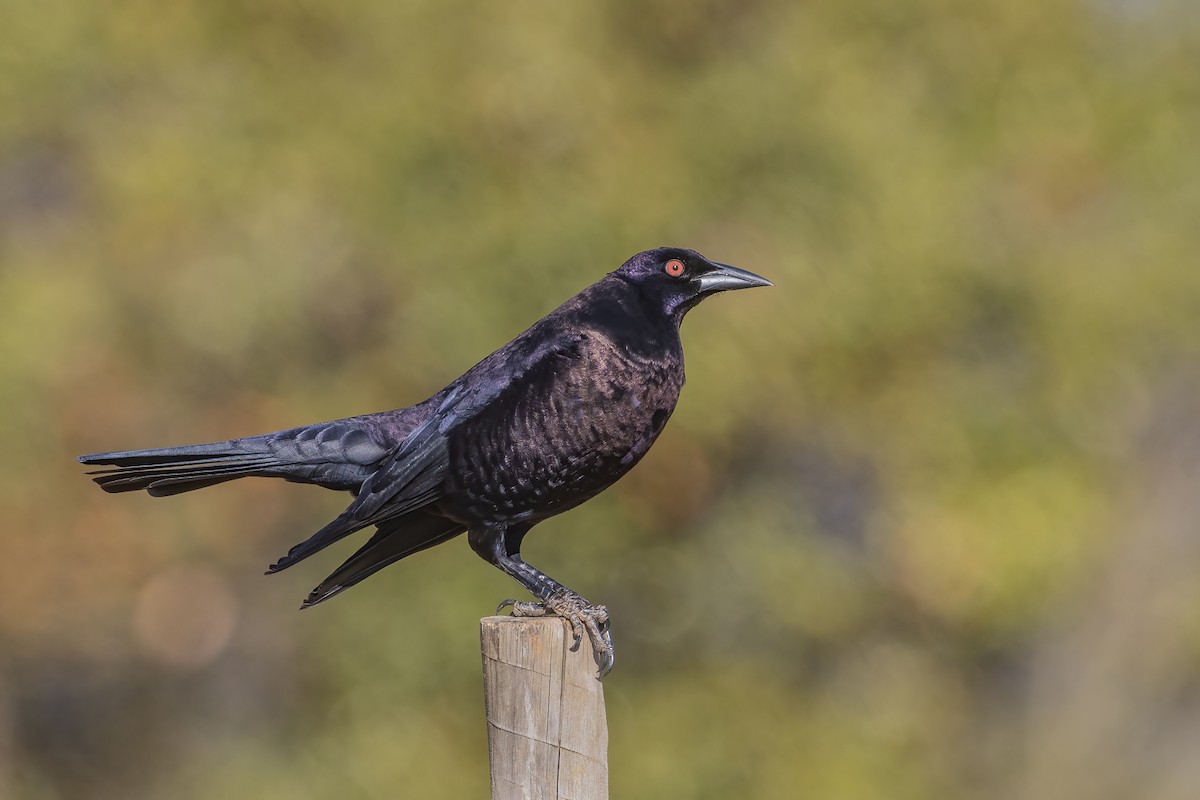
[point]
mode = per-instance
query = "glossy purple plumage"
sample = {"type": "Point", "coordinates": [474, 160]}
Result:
{"type": "Point", "coordinates": [544, 423]}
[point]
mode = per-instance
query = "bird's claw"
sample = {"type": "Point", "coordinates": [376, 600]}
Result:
{"type": "Point", "coordinates": [584, 618]}
{"type": "Point", "coordinates": [505, 604]}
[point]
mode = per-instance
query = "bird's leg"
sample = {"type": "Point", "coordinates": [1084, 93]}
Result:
{"type": "Point", "coordinates": [553, 599]}
{"type": "Point", "coordinates": [559, 601]}
{"type": "Point", "coordinates": [583, 616]}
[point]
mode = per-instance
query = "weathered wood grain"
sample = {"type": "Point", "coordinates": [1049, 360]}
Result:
{"type": "Point", "coordinates": [547, 731]}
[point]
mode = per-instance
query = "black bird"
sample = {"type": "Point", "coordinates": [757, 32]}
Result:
{"type": "Point", "coordinates": [544, 423]}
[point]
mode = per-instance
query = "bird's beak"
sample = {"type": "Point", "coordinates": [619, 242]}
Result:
{"type": "Point", "coordinates": [725, 277]}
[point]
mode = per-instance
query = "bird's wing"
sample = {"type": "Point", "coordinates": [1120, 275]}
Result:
{"type": "Point", "coordinates": [408, 479]}
{"type": "Point", "coordinates": [508, 370]}
{"type": "Point", "coordinates": [412, 475]}
{"type": "Point", "coordinates": [395, 539]}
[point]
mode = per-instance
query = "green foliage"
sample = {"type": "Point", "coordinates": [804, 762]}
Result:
{"type": "Point", "coordinates": [906, 531]}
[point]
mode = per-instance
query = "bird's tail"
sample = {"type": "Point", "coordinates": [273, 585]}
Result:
{"type": "Point", "coordinates": [172, 470]}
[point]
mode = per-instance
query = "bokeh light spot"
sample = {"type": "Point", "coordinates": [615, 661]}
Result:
{"type": "Point", "coordinates": [185, 616]}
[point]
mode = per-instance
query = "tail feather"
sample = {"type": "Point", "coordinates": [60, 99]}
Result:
{"type": "Point", "coordinates": [172, 470]}
{"type": "Point", "coordinates": [393, 490]}
{"type": "Point", "coordinates": [173, 477]}
{"type": "Point", "coordinates": [337, 455]}
{"type": "Point", "coordinates": [180, 486]}
{"type": "Point", "coordinates": [175, 455]}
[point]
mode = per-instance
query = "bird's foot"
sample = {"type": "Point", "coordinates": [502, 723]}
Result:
{"type": "Point", "coordinates": [584, 618]}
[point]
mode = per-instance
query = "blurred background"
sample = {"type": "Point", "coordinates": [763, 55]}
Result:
{"type": "Point", "coordinates": [925, 521]}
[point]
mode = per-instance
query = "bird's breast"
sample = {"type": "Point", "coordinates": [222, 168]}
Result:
{"type": "Point", "coordinates": [561, 439]}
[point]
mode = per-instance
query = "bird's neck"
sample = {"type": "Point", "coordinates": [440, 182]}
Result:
{"type": "Point", "coordinates": [618, 308]}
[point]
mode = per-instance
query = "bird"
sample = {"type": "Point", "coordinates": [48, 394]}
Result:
{"type": "Point", "coordinates": [541, 425]}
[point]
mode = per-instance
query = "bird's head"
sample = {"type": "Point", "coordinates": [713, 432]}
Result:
{"type": "Point", "coordinates": [673, 280]}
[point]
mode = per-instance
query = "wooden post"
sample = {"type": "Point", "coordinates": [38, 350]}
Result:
{"type": "Point", "coordinates": [547, 731]}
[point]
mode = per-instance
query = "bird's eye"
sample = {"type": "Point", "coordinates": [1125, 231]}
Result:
{"type": "Point", "coordinates": [674, 268]}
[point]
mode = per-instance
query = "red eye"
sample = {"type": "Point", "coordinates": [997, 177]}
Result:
{"type": "Point", "coordinates": [674, 268]}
